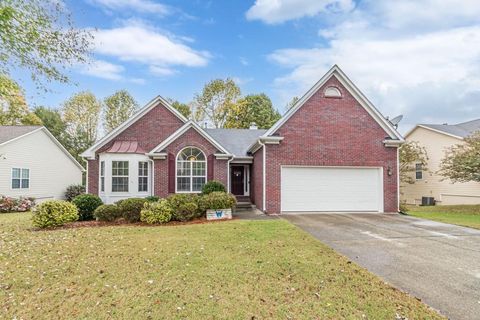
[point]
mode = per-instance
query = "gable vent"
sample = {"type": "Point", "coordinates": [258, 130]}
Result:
{"type": "Point", "coordinates": [332, 92]}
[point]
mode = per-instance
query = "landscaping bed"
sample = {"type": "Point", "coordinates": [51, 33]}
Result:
{"type": "Point", "coordinates": [236, 270]}
{"type": "Point", "coordinates": [462, 215]}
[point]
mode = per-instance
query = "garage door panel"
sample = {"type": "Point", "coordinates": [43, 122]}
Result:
{"type": "Point", "coordinates": [331, 189]}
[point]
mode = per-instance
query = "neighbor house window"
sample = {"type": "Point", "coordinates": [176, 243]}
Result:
{"type": "Point", "coordinates": [143, 176]}
{"type": "Point", "coordinates": [191, 170]}
{"type": "Point", "coordinates": [418, 171]}
{"type": "Point", "coordinates": [102, 176]}
{"type": "Point", "coordinates": [20, 178]}
{"type": "Point", "coordinates": [119, 176]}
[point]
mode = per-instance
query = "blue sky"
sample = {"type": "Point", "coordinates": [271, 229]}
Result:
{"type": "Point", "coordinates": [420, 58]}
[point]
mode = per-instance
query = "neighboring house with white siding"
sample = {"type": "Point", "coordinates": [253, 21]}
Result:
{"type": "Point", "coordinates": [34, 164]}
{"type": "Point", "coordinates": [437, 139]}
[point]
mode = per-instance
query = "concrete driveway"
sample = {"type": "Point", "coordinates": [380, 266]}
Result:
{"type": "Point", "coordinates": [436, 262]}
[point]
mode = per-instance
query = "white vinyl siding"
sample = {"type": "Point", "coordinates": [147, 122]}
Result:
{"type": "Point", "coordinates": [331, 189]}
{"type": "Point", "coordinates": [50, 170]}
{"type": "Point", "coordinates": [432, 184]}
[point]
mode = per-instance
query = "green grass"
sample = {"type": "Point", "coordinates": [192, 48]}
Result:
{"type": "Point", "coordinates": [463, 215]}
{"type": "Point", "coordinates": [235, 270]}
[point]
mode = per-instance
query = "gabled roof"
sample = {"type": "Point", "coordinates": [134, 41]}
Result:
{"type": "Point", "coordinates": [459, 130]}
{"type": "Point", "coordinates": [237, 141]}
{"type": "Point", "coordinates": [90, 152]}
{"type": "Point", "coordinates": [188, 125]}
{"type": "Point", "coordinates": [9, 134]}
{"type": "Point", "coordinates": [335, 71]}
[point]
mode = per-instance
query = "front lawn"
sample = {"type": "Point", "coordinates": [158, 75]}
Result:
{"type": "Point", "coordinates": [236, 270]}
{"type": "Point", "coordinates": [462, 215]}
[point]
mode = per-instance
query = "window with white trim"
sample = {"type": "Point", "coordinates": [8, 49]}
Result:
{"type": "Point", "coordinates": [418, 171]}
{"type": "Point", "coordinates": [102, 176]}
{"type": "Point", "coordinates": [191, 170]}
{"type": "Point", "coordinates": [20, 178]}
{"type": "Point", "coordinates": [142, 176]}
{"type": "Point", "coordinates": [119, 176]}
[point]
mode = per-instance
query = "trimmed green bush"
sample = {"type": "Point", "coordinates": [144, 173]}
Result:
{"type": "Point", "coordinates": [131, 208]}
{"type": "Point", "coordinates": [73, 191]}
{"type": "Point", "coordinates": [107, 212]}
{"type": "Point", "coordinates": [156, 212]}
{"type": "Point", "coordinates": [185, 206]}
{"type": "Point", "coordinates": [54, 213]}
{"type": "Point", "coordinates": [212, 186]}
{"type": "Point", "coordinates": [403, 207]}
{"type": "Point", "coordinates": [152, 198]}
{"type": "Point", "coordinates": [218, 200]}
{"type": "Point", "coordinates": [86, 204]}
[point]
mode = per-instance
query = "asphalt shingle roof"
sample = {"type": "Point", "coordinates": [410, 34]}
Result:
{"type": "Point", "coordinates": [236, 141]}
{"type": "Point", "coordinates": [463, 129]}
{"type": "Point", "coordinates": [8, 133]}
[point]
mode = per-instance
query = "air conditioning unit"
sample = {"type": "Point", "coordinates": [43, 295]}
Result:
{"type": "Point", "coordinates": [428, 201]}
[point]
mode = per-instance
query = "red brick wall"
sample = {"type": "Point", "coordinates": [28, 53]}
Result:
{"type": "Point", "coordinates": [191, 138]}
{"type": "Point", "coordinates": [92, 176]}
{"type": "Point", "coordinates": [330, 132]}
{"type": "Point", "coordinates": [256, 181]}
{"type": "Point", "coordinates": [150, 130]}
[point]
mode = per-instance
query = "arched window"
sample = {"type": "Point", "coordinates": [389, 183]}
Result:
{"type": "Point", "coordinates": [191, 170]}
{"type": "Point", "coordinates": [332, 92]}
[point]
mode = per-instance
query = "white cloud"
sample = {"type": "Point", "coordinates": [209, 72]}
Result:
{"type": "Point", "coordinates": [147, 6]}
{"type": "Point", "coordinates": [419, 58]}
{"type": "Point", "coordinates": [278, 11]}
{"type": "Point", "coordinates": [244, 61]}
{"type": "Point", "coordinates": [103, 69]}
{"type": "Point", "coordinates": [161, 71]}
{"type": "Point", "coordinates": [139, 43]}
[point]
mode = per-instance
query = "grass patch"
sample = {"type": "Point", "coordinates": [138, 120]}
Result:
{"type": "Point", "coordinates": [235, 270]}
{"type": "Point", "coordinates": [462, 215]}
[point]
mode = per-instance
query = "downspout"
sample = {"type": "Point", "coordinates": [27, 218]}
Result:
{"type": "Point", "coordinates": [398, 180]}
{"type": "Point", "coordinates": [264, 179]}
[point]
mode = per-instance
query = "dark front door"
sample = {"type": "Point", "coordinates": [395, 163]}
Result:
{"type": "Point", "coordinates": [238, 178]}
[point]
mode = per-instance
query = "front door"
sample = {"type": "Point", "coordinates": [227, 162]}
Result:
{"type": "Point", "coordinates": [238, 178]}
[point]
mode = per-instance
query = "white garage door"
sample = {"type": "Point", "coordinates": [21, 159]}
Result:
{"type": "Point", "coordinates": [331, 189]}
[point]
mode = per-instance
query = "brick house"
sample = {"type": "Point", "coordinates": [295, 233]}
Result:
{"type": "Point", "coordinates": [332, 151]}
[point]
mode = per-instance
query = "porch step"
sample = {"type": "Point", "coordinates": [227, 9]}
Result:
{"type": "Point", "coordinates": [243, 202]}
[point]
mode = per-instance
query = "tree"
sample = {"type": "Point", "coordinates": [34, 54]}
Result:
{"type": "Point", "coordinates": [183, 108]}
{"type": "Point", "coordinates": [52, 120]}
{"type": "Point", "coordinates": [13, 106]}
{"type": "Point", "coordinates": [213, 104]}
{"type": "Point", "coordinates": [411, 154]}
{"type": "Point", "coordinates": [118, 108]}
{"type": "Point", "coordinates": [254, 108]}
{"type": "Point", "coordinates": [461, 162]}
{"type": "Point", "coordinates": [81, 115]}
{"type": "Point", "coordinates": [39, 35]}
{"type": "Point", "coordinates": [292, 103]}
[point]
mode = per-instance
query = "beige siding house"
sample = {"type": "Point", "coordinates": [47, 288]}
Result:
{"type": "Point", "coordinates": [34, 164]}
{"type": "Point", "coordinates": [437, 139]}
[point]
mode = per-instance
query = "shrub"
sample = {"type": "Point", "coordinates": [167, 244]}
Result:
{"type": "Point", "coordinates": [152, 198]}
{"type": "Point", "coordinates": [54, 213]}
{"type": "Point", "coordinates": [73, 191]}
{"type": "Point", "coordinates": [156, 212]}
{"type": "Point", "coordinates": [22, 204]}
{"type": "Point", "coordinates": [86, 204]}
{"type": "Point", "coordinates": [107, 212]}
{"type": "Point", "coordinates": [403, 207]}
{"type": "Point", "coordinates": [185, 206]}
{"type": "Point", "coordinates": [130, 208]}
{"type": "Point", "coordinates": [218, 200]}
{"type": "Point", "coordinates": [212, 186]}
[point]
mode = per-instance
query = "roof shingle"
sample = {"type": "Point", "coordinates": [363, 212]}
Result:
{"type": "Point", "coordinates": [8, 133]}
{"type": "Point", "coordinates": [463, 129]}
